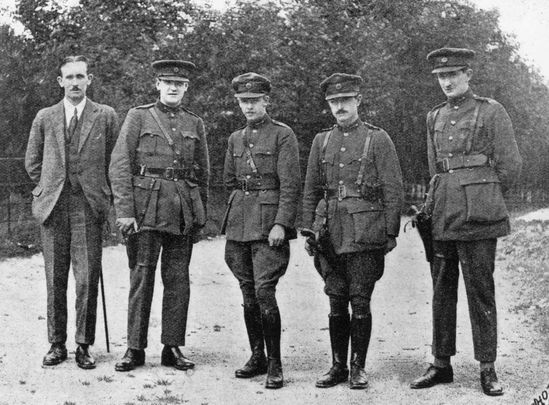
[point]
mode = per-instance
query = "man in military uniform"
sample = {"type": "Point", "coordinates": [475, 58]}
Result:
{"type": "Point", "coordinates": [67, 157]}
{"type": "Point", "coordinates": [353, 191]}
{"type": "Point", "coordinates": [159, 174]}
{"type": "Point", "coordinates": [262, 172]}
{"type": "Point", "coordinates": [473, 158]}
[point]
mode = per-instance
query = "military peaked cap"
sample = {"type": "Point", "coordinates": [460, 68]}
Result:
{"type": "Point", "coordinates": [250, 85]}
{"type": "Point", "coordinates": [179, 70]}
{"type": "Point", "coordinates": [341, 85]}
{"type": "Point", "coordinates": [450, 59]}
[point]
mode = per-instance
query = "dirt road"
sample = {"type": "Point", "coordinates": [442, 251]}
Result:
{"type": "Point", "coordinates": [399, 350]}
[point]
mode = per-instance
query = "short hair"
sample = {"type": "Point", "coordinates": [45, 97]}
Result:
{"type": "Point", "coordinates": [71, 59]}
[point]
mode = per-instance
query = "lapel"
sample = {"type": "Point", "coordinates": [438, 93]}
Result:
{"type": "Point", "coordinates": [88, 115]}
{"type": "Point", "coordinates": [58, 122]}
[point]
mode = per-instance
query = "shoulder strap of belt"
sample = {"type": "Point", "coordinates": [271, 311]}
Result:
{"type": "Point", "coordinates": [161, 125]}
{"type": "Point", "coordinates": [165, 132]}
{"type": "Point", "coordinates": [431, 129]}
{"type": "Point", "coordinates": [249, 156]}
{"type": "Point", "coordinates": [321, 163]}
{"type": "Point", "coordinates": [471, 135]}
{"type": "Point", "coordinates": [363, 158]}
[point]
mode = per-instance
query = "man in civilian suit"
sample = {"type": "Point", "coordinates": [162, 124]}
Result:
{"type": "Point", "coordinates": [67, 157]}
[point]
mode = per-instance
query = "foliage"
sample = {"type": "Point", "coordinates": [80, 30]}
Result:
{"type": "Point", "coordinates": [296, 44]}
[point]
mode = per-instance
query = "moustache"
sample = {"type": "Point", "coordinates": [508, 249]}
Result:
{"type": "Point", "coordinates": [341, 111]}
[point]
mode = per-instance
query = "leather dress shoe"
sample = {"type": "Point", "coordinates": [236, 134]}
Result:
{"type": "Point", "coordinates": [433, 376]}
{"type": "Point", "coordinates": [132, 359]}
{"type": "Point", "coordinates": [172, 357]}
{"type": "Point", "coordinates": [359, 380]}
{"type": "Point", "coordinates": [56, 354]}
{"type": "Point", "coordinates": [83, 357]}
{"type": "Point", "coordinates": [337, 374]}
{"type": "Point", "coordinates": [257, 365]}
{"type": "Point", "coordinates": [489, 383]}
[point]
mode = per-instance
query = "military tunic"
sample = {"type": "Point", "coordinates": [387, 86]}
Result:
{"type": "Point", "coordinates": [468, 202]}
{"type": "Point", "coordinates": [360, 219]}
{"type": "Point", "coordinates": [260, 199]}
{"type": "Point", "coordinates": [165, 187]}
{"type": "Point", "coordinates": [473, 157]}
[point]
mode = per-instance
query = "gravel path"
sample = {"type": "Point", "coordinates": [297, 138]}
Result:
{"type": "Point", "coordinates": [399, 350]}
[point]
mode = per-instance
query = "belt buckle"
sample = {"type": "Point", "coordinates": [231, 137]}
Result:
{"type": "Point", "coordinates": [341, 192]}
{"type": "Point", "coordinates": [446, 164]}
{"type": "Point", "coordinates": [142, 170]}
{"type": "Point", "coordinates": [244, 184]}
{"type": "Point", "coordinates": [168, 173]}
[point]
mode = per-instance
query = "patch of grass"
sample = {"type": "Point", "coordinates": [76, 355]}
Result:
{"type": "Point", "coordinates": [105, 378]}
{"type": "Point", "coordinates": [170, 399]}
{"type": "Point", "coordinates": [22, 382]}
{"type": "Point", "coordinates": [69, 403]}
{"type": "Point", "coordinates": [86, 383]}
{"type": "Point", "coordinates": [141, 398]}
{"type": "Point", "coordinates": [148, 386]}
{"type": "Point", "coordinates": [163, 382]}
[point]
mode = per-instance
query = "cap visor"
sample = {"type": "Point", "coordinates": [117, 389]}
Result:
{"type": "Point", "coordinates": [174, 78]}
{"type": "Point", "coordinates": [445, 69]}
{"type": "Point", "coordinates": [338, 95]}
{"type": "Point", "coordinates": [249, 95]}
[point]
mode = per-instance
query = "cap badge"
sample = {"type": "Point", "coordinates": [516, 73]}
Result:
{"type": "Point", "coordinates": [338, 86]}
{"type": "Point", "coordinates": [176, 69]}
{"type": "Point", "coordinates": [444, 60]}
{"type": "Point", "coordinates": [248, 85]}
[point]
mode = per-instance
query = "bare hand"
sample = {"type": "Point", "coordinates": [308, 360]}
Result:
{"type": "Point", "coordinates": [126, 225]}
{"type": "Point", "coordinates": [277, 235]}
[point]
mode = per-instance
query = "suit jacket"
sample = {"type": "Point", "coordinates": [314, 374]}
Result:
{"type": "Point", "coordinates": [46, 160]}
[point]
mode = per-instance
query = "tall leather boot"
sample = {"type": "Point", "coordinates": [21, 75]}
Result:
{"type": "Point", "coordinates": [271, 331]}
{"type": "Point", "coordinates": [339, 338]}
{"type": "Point", "coordinates": [257, 364]}
{"type": "Point", "coordinates": [361, 329]}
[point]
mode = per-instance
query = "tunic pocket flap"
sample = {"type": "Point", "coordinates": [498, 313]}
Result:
{"type": "Point", "coordinates": [145, 183]}
{"type": "Point", "coordinates": [478, 176]}
{"type": "Point", "coordinates": [268, 197]}
{"type": "Point", "coordinates": [189, 134]}
{"type": "Point", "coordinates": [355, 206]}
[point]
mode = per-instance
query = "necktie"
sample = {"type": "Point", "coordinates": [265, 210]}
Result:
{"type": "Point", "coordinates": [72, 125]}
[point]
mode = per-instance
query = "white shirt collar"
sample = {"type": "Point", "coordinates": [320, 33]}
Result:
{"type": "Point", "coordinates": [69, 109]}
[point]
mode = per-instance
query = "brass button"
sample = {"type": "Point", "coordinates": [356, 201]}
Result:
{"type": "Point", "coordinates": [450, 154]}
{"type": "Point", "coordinates": [450, 138]}
{"type": "Point", "coordinates": [343, 149]}
{"type": "Point", "coordinates": [173, 129]}
{"type": "Point", "coordinates": [340, 181]}
{"type": "Point", "coordinates": [451, 171]}
{"type": "Point", "coordinates": [453, 122]}
{"type": "Point", "coordinates": [254, 131]}
{"type": "Point", "coordinates": [456, 107]}
{"type": "Point", "coordinates": [248, 176]}
{"type": "Point", "coordinates": [341, 165]}
{"type": "Point", "coordinates": [345, 134]}
{"type": "Point", "coordinates": [175, 162]}
{"type": "Point", "coordinates": [251, 145]}
{"type": "Point", "coordinates": [247, 192]}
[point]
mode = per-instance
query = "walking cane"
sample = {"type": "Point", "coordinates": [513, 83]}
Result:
{"type": "Point", "coordinates": [104, 309]}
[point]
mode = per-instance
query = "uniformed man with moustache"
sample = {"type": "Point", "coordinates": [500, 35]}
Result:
{"type": "Point", "coordinates": [159, 174]}
{"type": "Point", "coordinates": [473, 158]}
{"type": "Point", "coordinates": [262, 172]}
{"type": "Point", "coordinates": [353, 191]}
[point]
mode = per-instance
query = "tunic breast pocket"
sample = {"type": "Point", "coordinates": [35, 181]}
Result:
{"type": "Point", "coordinates": [265, 160]}
{"type": "Point", "coordinates": [148, 142]}
{"type": "Point", "coordinates": [190, 140]}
